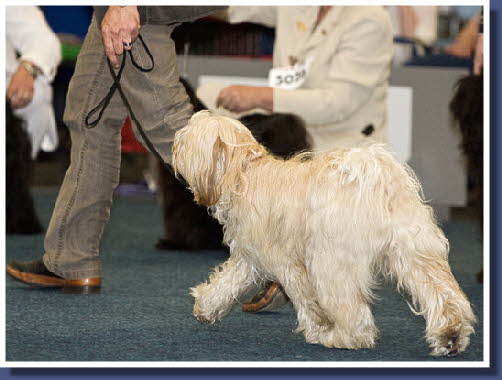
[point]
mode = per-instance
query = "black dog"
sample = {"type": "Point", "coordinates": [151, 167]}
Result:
{"type": "Point", "coordinates": [189, 226]}
{"type": "Point", "coordinates": [20, 212]}
{"type": "Point", "coordinates": [466, 108]}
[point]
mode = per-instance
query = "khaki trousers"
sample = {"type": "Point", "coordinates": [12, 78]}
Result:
{"type": "Point", "coordinates": [161, 105]}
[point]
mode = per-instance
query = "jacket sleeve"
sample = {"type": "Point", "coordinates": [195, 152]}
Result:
{"type": "Point", "coordinates": [359, 64]}
{"type": "Point", "coordinates": [265, 15]}
{"type": "Point", "coordinates": [427, 27]}
{"type": "Point", "coordinates": [33, 39]}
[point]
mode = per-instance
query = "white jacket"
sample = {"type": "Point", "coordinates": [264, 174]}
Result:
{"type": "Point", "coordinates": [346, 87]}
{"type": "Point", "coordinates": [29, 36]}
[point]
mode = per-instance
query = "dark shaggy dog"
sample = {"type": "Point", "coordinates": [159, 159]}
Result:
{"type": "Point", "coordinates": [188, 225]}
{"type": "Point", "coordinates": [20, 213]}
{"type": "Point", "coordinates": [466, 108]}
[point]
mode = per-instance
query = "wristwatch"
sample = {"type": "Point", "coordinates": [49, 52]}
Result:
{"type": "Point", "coordinates": [31, 68]}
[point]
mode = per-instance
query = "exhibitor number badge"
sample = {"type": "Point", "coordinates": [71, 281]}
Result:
{"type": "Point", "coordinates": [289, 77]}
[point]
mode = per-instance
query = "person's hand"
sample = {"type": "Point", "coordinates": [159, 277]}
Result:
{"type": "Point", "coordinates": [120, 25]}
{"type": "Point", "coordinates": [478, 55]}
{"type": "Point", "coordinates": [244, 98]}
{"type": "Point", "coordinates": [20, 89]}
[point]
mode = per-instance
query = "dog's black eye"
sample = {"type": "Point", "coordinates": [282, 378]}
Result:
{"type": "Point", "coordinates": [368, 130]}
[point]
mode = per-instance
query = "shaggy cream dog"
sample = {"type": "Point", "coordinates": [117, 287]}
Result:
{"type": "Point", "coordinates": [323, 226]}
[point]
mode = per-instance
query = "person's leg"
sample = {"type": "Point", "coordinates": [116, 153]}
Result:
{"type": "Point", "coordinates": [157, 98]}
{"type": "Point", "coordinates": [83, 205]}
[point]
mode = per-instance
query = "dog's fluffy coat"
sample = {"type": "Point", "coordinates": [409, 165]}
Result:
{"type": "Point", "coordinates": [322, 225]}
{"type": "Point", "coordinates": [187, 225]}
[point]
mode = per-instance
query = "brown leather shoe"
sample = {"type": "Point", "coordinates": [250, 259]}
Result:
{"type": "Point", "coordinates": [36, 273]}
{"type": "Point", "coordinates": [271, 298]}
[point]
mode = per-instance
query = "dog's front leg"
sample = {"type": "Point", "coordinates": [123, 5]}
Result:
{"type": "Point", "coordinates": [214, 299]}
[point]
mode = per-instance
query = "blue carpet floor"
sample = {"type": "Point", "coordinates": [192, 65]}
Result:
{"type": "Point", "coordinates": [144, 310]}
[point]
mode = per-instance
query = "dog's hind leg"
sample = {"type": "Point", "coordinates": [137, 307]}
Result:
{"type": "Point", "coordinates": [343, 285]}
{"type": "Point", "coordinates": [215, 299]}
{"type": "Point", "coordinates": [417, 259]}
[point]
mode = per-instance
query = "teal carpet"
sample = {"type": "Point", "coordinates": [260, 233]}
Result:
{"type": "Point", "coordinates": [144, 310]}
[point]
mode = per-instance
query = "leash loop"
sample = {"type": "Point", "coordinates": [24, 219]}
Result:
{"type": "Point", "coordinates": [116, 79]}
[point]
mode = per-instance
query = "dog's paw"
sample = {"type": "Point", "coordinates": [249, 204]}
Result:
{"type": "Point", "coordinates": [451, 342]}
{"type": "Point", "coordinates": [199, 307]}
{"type": "Point", "coordinates": [206, 308]}
{"type": "Point", "coordinates": [449, 346]}
{"type": "Point", "coordinates": [203, 317]}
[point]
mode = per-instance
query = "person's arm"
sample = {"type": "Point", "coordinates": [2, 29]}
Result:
{"type": "Point", "coordinates": [39, 52]}
{"type": "Point", "coordinates": [465, 41]}
{"type": "Point", "coordinates": [120, 25]}
{"type": "Point", "coordinates": [478, 51]}
{"type": "Point", "coordinates": [407, 21]}
{"type": "Point", "coordinates": [359, 64]}
{"type": "Point", "coordinates": [264, 15]}
{"type": "Point", "coordinates": [33, 39]}
{"type": "Point", "coordinates": [426, 23]}
{"type": "Point", "coordinates": [245, 98]}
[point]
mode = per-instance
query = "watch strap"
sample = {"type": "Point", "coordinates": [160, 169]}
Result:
{"type": "Point", "coordinates": [31, 68]}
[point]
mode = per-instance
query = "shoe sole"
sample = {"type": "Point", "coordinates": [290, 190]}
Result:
{"type": "Point", "coordinates": [82, 286]}
{"type": "Point", "coordinates": [273, 299]}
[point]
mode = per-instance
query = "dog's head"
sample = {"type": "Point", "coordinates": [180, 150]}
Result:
{"type": "Point", "coordinates": [212, 154]}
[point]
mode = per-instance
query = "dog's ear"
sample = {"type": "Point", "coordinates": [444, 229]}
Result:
{"type": "Point", "coordinates": [212, 153]}
{"type": "Point", "coordinates": [207, 189]}
{"type": "Point", "coordinates": [233, 150]}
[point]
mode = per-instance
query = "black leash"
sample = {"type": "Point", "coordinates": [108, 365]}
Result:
{"type": "Point", "coordinates": [116, 86]}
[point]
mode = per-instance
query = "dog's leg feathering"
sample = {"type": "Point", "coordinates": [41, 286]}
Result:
{"type": "Point", "coordinates": [312, 321]}
{"type": "Point", "coordinates": [214, 299]}
{"type": "Point", "coordinates": [343, 282]}
{"type": "Point", "coordinates": [418, 261]}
